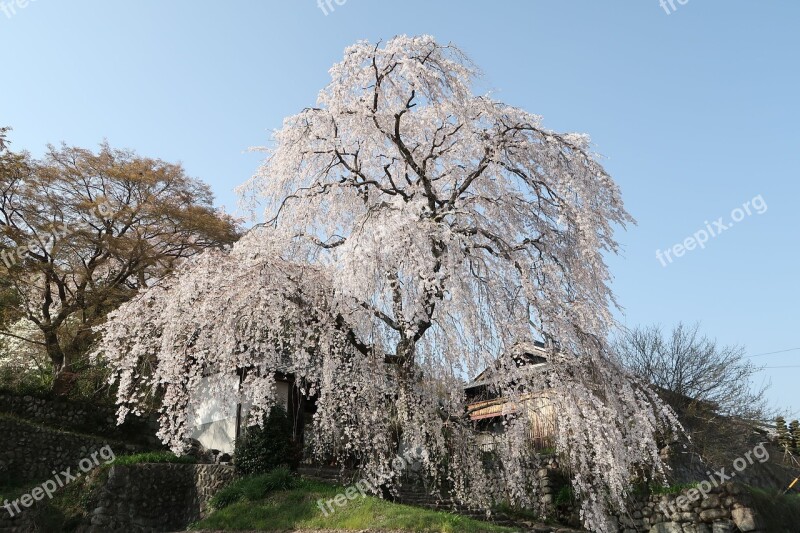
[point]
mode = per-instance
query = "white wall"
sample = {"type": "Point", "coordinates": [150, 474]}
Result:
{"type": "Point", "coordinates": [214, 415]}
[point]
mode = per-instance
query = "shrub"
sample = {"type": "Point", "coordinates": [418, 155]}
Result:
{"type": "Point", "coordinates": [24, 381]}
{"type": "Point", "coordinates": [784, 439]}
{"type": "Point", "coordinates": [794, 436]}
{"type": "Point", "coordinates": [281, 479]}
{"type": "Point", "coordinates": [266, 447]}
{"type": "Point", "coordinates": [564, 496]}
{"type": "Point", "coordinates": [227, 496]}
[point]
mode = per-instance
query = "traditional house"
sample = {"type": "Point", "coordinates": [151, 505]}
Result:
{"type": "Point", "coordinates": [488, 408]}
{"type": "Point", "coordinates": [220, 419]}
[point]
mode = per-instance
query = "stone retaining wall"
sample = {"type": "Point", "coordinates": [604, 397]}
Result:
{"type": "Point", "coordinates": [151, 498]}
{"type": "Point", "coordinates": [143, 498]}
{"type": "Point", "coordinates": [725, 509]}
{"type": "Point", "coordinates": [81, 417]}
{"type": "Point", "coordinates": [30, 452]}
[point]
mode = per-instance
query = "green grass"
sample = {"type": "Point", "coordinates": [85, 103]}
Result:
{"type": "Point", "coordinates": [69, 506]}
{"type": "Point", "coordinates": [671, 489]}
{"type": "Point", "coordinates": [152, 457]}
{"type": "Point", "coordinates": [254, 488]}
{"type": "Point", "coordinates": [262, 508]}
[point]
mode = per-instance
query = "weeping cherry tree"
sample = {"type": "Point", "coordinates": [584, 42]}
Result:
{"type": "Point", "coordinates": [416, 233]}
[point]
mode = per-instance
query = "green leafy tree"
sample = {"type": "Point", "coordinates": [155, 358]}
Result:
{"type": "Point", "coordinates": [268, 446]}
{"type": "Point", "coordinates": [83, 231]}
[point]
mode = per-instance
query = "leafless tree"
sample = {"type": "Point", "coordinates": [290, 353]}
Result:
{"type": "Point", "coordinates": [712, 387]}
{"type": "Point", "coordinates": [696, 369]}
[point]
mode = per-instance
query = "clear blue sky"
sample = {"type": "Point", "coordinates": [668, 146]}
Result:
{"type": "Point", "coordinates": [696, 111]}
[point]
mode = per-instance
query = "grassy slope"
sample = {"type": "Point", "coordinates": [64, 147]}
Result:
{"type": "Point", "coordinates": [297, 509]}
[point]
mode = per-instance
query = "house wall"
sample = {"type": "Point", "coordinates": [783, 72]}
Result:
{"type": "Point", "coordinates": [542, 417]}
{"type": "Point", "coordinates": [218, 435]}
{"type": "Point", "coordinates": [536, 407]}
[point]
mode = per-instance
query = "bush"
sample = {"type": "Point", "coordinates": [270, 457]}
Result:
{"type": "Point", "coordinates": [564, 496]}
{"type": "Point", "coordinates": [228, 496]}
{"type": "Point", "coordinates": [25, 381]}
{"type": "Point", "coordinates": [254, 488]}
{"type": "Point", "coordinates": [264, 448]}
{"type": "Point", "coordinates": [88, 382]}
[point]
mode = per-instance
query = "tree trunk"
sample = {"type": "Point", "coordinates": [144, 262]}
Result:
{"type": "Point", "coordinates": [64, 378]}
{"type": "Point", "coordinates": [54, 350]}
